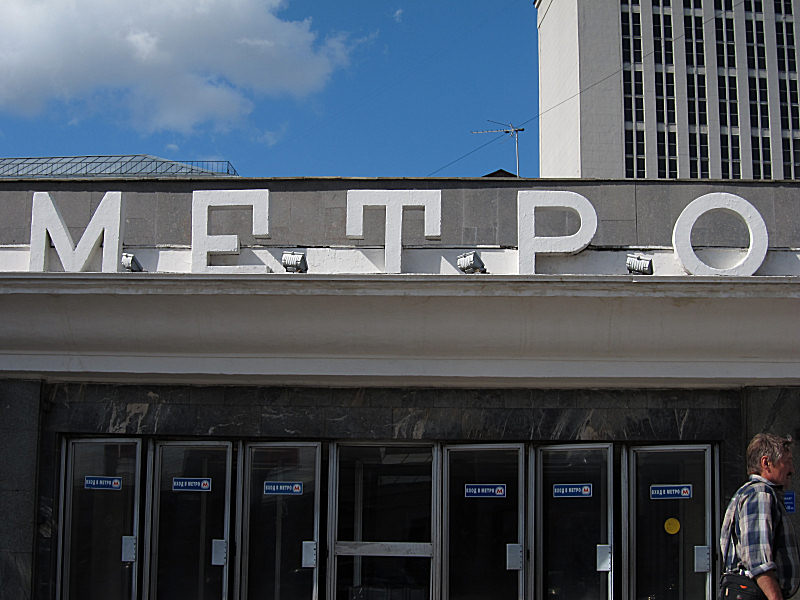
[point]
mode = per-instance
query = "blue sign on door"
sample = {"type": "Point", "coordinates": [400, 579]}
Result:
{"type": "Point", "coordinates": [788, 501]}
{"type": "Point", "coordinates": [98, 482]}
{"type": "Point", "coordinates": [191, 484]}
{"type": "Point", "coordinates": [484, 490]}
{"type": "Point", "coordinates": [572, 490]}
{"type": "Point", "coordinates": [283, 488]}
{"type": "Point", "coordinates": [680, 491]}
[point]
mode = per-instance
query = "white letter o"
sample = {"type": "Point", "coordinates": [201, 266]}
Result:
{"type": "Point", "coordinates": [682, 234]}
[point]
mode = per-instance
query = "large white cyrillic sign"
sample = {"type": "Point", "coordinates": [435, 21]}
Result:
{"type": "Point", "coordinates": [105, 229]}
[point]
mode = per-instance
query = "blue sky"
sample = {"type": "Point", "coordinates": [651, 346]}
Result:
{"type": "Point", "coordinates": [372, 88]}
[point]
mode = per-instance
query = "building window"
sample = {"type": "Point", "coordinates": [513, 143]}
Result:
{"type": "Point", "coordinates": [783, 7]}
{"type": "Point", "coordinates": [726, 46]}
{"type": "Point", "coordinates": [755, 43]}
{"type": "Point", "coordinates": [728, 105]}
{"type": "Point", "coordinates": [693, 39]}
{"type": "Point", "coordinates": [753, 6]}
{"type": "Point", "coordinates": [762, 164]}
{"type": "Point", "coordinates": [727, 91]}
{"type": "Point", "coordinates": [633, 89]}
{"type": "Point", "coordinates": [666, 130]}
{"type": "Point", "coordinates": [696, 91]}
{"type": "Point", "coordinates": [759, 105]}
{"type": "Point", "coordinates": [787, 88]}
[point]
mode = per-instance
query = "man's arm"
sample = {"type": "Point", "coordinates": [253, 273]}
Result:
{"type": "Point", "coordinates": [769, 585]}
{"type": "Point", "coordinates": [757, 534]}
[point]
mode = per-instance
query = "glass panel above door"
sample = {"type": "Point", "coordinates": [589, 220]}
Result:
{"type": "Point", "coordinates": [385, 493]}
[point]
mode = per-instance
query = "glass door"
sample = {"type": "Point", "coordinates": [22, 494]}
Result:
{"type": "Point", "coordinates": [281, 522]}
{"type": "Point", "coordinates": [101, 516]}
{"type": "Point", "coordinates": [484, 554]}
{"type": "Point", "coordinates": [574, 526]}
{"type": "Point", "coordinates": [671, 533]}
{"type": "Point", "coordinates": [191, 506]}
{"type": "Point", "coordinates": [382, 522]}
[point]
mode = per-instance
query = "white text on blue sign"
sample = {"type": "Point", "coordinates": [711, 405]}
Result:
{"type": "Point", "coordinates": [681, 491]}
{"type": "Point", "coordinates": [484, 490]}
{"type": "Point", "coordinates": [788, 501]}
{"type": "Point", "coordinates": [283, 488]}
{"type": "Point", "coordinates": [191, 484]}
{"type": "Point", "coordinates": [96, 482]}
{"type": "Point", "coordinates": [572, 490]}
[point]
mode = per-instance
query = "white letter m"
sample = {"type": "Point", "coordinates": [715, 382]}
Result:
{"type": "Point", "coordinates": [105, 226]}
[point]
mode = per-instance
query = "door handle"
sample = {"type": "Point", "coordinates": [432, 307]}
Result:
{"type": "Point", "coordinates": [702, 559]}
{"type": "Point", "coordinates": [309, 555]}
{"type": "Point", "coordinates": [219, 552]}
{"type": "Point", "coordinates": [604, 557]}
{"type": "Point", "coordinates": [514, 557]}
{"type": "Point", "coordinates": [129, 548]}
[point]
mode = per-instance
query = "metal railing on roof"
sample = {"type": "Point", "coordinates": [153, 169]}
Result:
{"type": "Point", "coordinates": [131, 165]}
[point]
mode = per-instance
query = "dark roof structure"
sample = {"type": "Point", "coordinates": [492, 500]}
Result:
{"type": "Point", "coordinates": [500, 173]}
{"type": "Point", "coordinates": [129, 165]}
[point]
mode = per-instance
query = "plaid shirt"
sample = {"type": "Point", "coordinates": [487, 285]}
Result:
{"type": "Point", "coordinates": [757, 535]}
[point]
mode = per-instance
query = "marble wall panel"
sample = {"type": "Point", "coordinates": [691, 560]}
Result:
{"type": "Point", "coordinates": [19, 432]}
{"type": "Point", "coordinates": [15, 575]}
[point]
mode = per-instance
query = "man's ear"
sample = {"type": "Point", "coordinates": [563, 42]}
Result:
{"type": "Point", "coordinates": [764, 462]}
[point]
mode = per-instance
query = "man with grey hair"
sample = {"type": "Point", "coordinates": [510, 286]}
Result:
{"type": "Point", "coordinates": [757, 538]}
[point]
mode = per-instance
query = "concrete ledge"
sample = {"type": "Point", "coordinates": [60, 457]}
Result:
{"type": "Point", "coordinates": [403, 330]}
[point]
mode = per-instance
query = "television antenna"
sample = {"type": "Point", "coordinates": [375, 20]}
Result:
{"type": "Point", "coordinates": [509, 129]}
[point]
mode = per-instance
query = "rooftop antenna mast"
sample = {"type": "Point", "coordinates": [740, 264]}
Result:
{"type": "Point", "coordinates": [509, 129]}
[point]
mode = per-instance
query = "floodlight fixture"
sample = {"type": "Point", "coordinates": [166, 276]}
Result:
{"type": "Point", "coordinates": [470, 262]}
{"type": "Point", "coordinates": [639, 264]}
{"type": "Point", "coordinates": [294, 262]}
{"type": "Point", "coordinates": [130, 263]}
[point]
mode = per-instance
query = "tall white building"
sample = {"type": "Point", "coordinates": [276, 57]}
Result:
{"type": "Point", "coordinates": [669, 89]}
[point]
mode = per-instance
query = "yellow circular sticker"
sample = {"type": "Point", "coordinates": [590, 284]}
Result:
{"type": "Point", "coordinates": [672, 526]}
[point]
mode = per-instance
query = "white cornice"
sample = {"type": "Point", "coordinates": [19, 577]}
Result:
{"type": "Point", "coordinates": [399, 285]}
{"type": "Point", "coordinates": [407, 330]}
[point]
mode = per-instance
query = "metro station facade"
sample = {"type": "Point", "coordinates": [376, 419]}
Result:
{"type": "Point", "coordinates": [466, 394]}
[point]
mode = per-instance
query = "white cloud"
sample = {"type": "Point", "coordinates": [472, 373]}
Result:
{"type": "Point", "coordinates": [398, 15]}
{"type": "Point", "coordinates": [270, 138]}
{"type": "Point", "coordinates": [170, 64]}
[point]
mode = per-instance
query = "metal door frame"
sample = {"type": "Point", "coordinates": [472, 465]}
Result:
{"type": "Point", "coordinates": [706, 449]}
{"type": "Point", "coordinates": [431, 551]}
{"type": "Point", "coordinates": [521, 485]}
{"type": "Point", "coordinates": [153, 479]}
{"type": "Point", "coordinates": [243, 502]}
{"type": "Point", "coordinates": [536, 579]}
{"type": "Point", "coordinates": [65, 508]}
